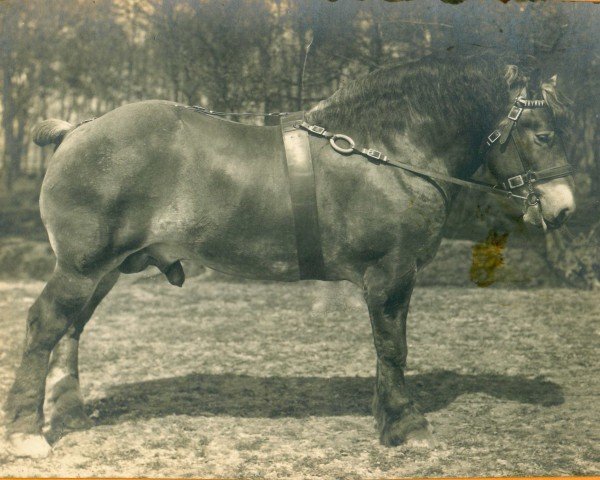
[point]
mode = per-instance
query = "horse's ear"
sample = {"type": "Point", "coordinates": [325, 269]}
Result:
{"type": "Point", "coordinates": [523, 93]}
{"type": "Point", "coordinates": [549, 86]}
{"type": "Point", "coordinates": [510, 74]}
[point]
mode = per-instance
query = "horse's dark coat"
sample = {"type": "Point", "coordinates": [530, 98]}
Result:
{"type": "Point", "coordinates": [155, 182]}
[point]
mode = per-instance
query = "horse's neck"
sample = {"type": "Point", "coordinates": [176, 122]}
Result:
{"type": "Point", "coordinates": [449, 152]}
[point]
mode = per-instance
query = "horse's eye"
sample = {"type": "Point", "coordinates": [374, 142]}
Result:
{"type": "Point", "coordinates": [544, 137]}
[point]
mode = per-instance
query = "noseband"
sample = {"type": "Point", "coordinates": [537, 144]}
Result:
{"type": "Point", "coordinates": [529, 177]}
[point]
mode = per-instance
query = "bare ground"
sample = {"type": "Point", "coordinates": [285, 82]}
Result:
{"type": "Point", "coordinates": [224, 379]}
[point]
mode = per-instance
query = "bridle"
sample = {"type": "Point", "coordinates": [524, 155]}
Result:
{"type": "Point", "coordinates": [510, 131]}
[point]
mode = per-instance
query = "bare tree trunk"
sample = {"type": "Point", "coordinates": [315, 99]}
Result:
{"type": "Point", "coordinates": [302, 29]}
{"type": "Point", "coordinates": [11, 159]}
{"type": "Point", "coordinates": [300, 70]}
{"type": "Point", "coordinates": [268, 100]}
{"type": "Point", "coordinates": [375, 37]}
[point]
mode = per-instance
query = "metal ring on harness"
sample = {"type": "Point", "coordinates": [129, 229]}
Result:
{"type": "Point", "coordinates": [346, 138]}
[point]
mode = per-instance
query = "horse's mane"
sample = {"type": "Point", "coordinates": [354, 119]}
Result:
{"type": "Point", "coordinates": [435, 95]}
{"type": "Point", "coordinates": [559, 105]}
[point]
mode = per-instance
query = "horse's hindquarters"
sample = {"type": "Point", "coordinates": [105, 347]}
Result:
{"type": "Point", "coordinates": [155, 174]}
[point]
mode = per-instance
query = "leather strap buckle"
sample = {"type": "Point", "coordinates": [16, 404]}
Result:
{"type": "Point", "coordinates": [492, 137]}
{"type": "Point", "coordinates": [374, 154]}
{"type": "Point", "coordinates": [316, 129]}
{"type": "Point", "coordinates": [515, 113]}
{"type": "Point", "coordinates": [515, 182]}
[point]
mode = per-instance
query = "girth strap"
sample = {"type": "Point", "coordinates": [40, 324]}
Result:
{"type": "Point", "coordinates": [304, 197]}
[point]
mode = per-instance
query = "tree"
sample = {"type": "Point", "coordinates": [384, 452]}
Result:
{"type": "Point", "coordinates": [25, 61]}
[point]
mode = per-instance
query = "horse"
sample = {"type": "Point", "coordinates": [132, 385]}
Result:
{"type": "Point", "coordinates": [155, 182]}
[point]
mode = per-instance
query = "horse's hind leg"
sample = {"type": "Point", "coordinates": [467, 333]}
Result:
{"type": "Point", "coordinates": [388, 288]}
{"type": "Point", "coordinates": [64, 297]}
{"type": "Point", "coordinates": [64, 408]}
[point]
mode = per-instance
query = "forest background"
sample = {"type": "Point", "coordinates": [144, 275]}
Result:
{"type": "Point", "coordinates": [76, 59]}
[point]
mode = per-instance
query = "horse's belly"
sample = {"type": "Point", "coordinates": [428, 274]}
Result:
{"type": "Point", "coordinates": [248, 264]}
{"type": "Point", "coordinates": [252, 256]}
{"type": "Point", "coordinates": [241, 229]}
{"type": "Point", "coordinates": [256, 268]}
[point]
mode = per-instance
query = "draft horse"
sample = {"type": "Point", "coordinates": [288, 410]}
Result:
{"type": "Point", "coordinates": [154, 182]}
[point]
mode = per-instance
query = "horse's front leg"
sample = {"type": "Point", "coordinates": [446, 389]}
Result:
{"type": "Point", "coordinates": [388, 287]}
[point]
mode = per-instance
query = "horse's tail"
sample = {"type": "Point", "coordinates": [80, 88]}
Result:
{"type": "Point", "coordinates": [51, 131]}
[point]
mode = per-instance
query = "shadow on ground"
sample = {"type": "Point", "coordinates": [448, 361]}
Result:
{"type": "Point", "coordinates": [272, 397]}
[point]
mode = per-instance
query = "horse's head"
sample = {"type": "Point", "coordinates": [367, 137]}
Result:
{"type": "Point", "coordinates": [528, 158]}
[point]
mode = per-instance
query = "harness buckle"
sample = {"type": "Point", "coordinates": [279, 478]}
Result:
{"type": "Point", "coordinates": [515, 182]}
{"type": "Point", "coordinates": [316, 129]}
{"type": "Point", "coordinates": [374, 154]}
{"type": "Point", "coordinates": [515, 113]}
{"type": "Point", "coordinates": [492, 137]}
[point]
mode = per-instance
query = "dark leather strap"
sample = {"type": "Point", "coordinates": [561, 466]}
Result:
{"type": "Point", "coordinates": [304, 197]}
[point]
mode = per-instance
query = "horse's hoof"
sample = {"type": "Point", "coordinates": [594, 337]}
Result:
{"type": "Point", "coordinates": [65, 409]}
{"type": "Point", "coordinates": [58, 430]}
{"type": "Point", "coordinates": [412, 430]}
{"type": "Point", "coordinates": [28, 445]}
{"type": "Point", "coordinates": [422, 438]}
{"type": "Point", "coordinates": [74, 421]}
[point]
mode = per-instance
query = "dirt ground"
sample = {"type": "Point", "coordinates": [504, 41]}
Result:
{"type": "Point", "coordinates": [225, 379]}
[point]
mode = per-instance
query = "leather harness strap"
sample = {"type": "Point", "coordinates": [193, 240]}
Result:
{"type": "Point", "coordinates": [304, 198]}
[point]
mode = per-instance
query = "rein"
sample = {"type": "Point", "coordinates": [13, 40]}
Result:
{"type": "Point", "coordinates": [528, 178]}
{"type": "Point", "coordinates": [207, 111]}
{"type": "Point", "coordinates": [379, 158]}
